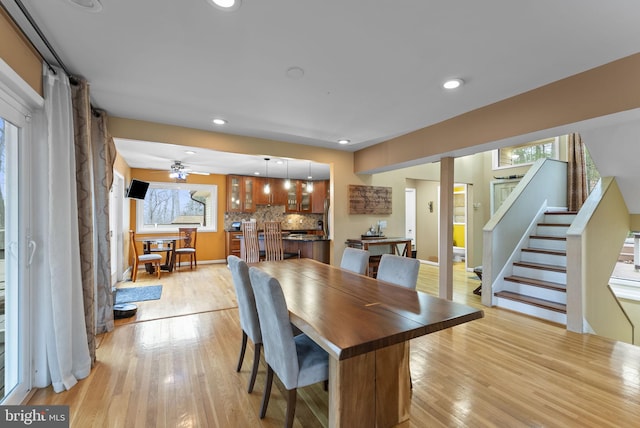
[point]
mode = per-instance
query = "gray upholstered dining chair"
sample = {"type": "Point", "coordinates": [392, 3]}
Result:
{"type": "Point", "coordinates": [297, 361]}
{"type": "Point", "coordinates": [248, 314]}
{"type": "Point", "coordinates": [399, 270]}
{"type": "Point", "coordinates": [355, 260]}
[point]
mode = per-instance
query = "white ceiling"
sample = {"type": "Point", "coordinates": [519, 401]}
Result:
{"type": "Point", "coordinates": [153, 155]}
{"type": "Point", "coordinates": [373, 69]}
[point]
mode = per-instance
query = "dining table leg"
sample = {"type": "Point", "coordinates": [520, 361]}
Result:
{"type": "Point", "coordinates": [371, 389]}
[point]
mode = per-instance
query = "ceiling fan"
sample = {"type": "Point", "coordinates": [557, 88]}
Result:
{"type": "Point", "coordinates": [180, 172]}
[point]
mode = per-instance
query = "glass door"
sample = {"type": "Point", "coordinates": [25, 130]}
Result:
{"type": "Point", "coordinates": [15, 250]}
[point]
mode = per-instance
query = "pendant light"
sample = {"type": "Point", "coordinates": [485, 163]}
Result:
{"type": "Point", "coordinates": [267, 186]}
{"type": "Point", "coordinates": [287, 182]}
{"type": "Point", "coordinates": [309, 183]}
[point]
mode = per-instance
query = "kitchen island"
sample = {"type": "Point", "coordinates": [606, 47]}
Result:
{"type": "Point", "coordinates": [309, 246]}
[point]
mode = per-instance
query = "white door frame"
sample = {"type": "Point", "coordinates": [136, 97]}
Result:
{"type": "Point", "coordinates": [18, 102]}
{"type": "Point", "coordinates": [116, 226]}
{"type": "Point", "coordinates": [410, 215]}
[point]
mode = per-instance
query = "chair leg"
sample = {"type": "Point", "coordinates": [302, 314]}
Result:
{"type": "Point", "coordinates": [291, 407]}
{"type": "Point", "coordinates": [134, 272]}
{"type": "Point", "coordinates": [256, 363]}
{"type": "Point", "coordinates": [158, 268]}
{"type": "Point", "coordinates": [267, 392]}
{"type": "Point", "coordinates": [243, 348]}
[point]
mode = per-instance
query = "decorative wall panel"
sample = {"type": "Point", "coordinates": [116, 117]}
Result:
{"type": "Point", "coordinates": [369, 200]}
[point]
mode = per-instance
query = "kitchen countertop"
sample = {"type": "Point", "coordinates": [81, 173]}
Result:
{"type": "Point", "coordinates": [296, 237]}
{"type": "Point", "coordinates": [305, 238]}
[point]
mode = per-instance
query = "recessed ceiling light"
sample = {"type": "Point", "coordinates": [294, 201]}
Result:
{"type": "Point", "coordinates": [295, 73]}
{"type": "Point", "coordinates": [344, 141]}
{"type": "Point", "coordinates": [256, 173]}
{"type": "Point", "coordinates": [453, 83]}
{"type": "Point", "coordinates": [87, 5]}
{"type": "Point", "coordinates": [190, 152]}
{"type": "Point", "coordinates": [280, 162]}
{"type": "Point", "coordinates": [228, 5]}
{"type": "Point", "coordinates": [219, 121]}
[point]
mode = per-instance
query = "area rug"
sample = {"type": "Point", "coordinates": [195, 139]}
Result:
{"type": "Point", "coordinates": [138, 294]}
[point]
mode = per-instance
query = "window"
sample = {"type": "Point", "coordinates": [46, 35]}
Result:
{"type": "Point", "coordinates": [168, 206]}
{"type": "Point", "coordinates": [525, 154]}
{"type": "Point", "coordinates": [593, 176]}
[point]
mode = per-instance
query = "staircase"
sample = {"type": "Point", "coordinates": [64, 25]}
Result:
{"type": "Point", "coordinates": [537, 283]}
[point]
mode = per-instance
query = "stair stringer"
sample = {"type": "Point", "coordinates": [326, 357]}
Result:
{"type": "Point", "coordinates": [507, 269]}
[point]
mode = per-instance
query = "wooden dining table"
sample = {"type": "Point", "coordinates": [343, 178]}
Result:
{"type": "Point", "coordinates": [365, 326]}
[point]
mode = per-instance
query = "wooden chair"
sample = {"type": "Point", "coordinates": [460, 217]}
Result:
{"type": "Point", "coordinates": [187, 245]}
{"type": "Point", "coordinates": [142, 258]}
{"type": "Point", "coordinates": [251, 249]}
{"type": "Point", "coordinates": [355, 260]}
{"type": "Point", "coordinates": [297, 361]}
{"type": "Point", "coordinates": [248, 314]}
{"type": "Point", "coordinates": [273, 244]}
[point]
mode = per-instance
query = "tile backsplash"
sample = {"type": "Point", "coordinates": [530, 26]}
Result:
{"type": "Point", "coordinates": [289, 221]}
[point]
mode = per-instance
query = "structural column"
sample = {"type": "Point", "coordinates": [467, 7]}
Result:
{"type": "Point", "coordinates": [445, 251]}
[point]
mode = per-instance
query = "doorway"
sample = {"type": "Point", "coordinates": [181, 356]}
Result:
{"type": "Point", "coordinates": [410, 215]}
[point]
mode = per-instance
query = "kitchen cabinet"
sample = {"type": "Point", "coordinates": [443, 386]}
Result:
{"type": "Point", "coordinates": [277, 195]}
{"type": "Point", "coordinates": [319, 195]}
{"type": "Point", "coordinates": [233, 243]}
{"type": "Point", "coordinates": [298, 198]}
{"type": "Point", "coordinates": [240, 194]}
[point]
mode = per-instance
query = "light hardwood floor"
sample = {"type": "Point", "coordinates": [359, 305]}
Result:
{"type": "Point", "coordinates": [173, 365]}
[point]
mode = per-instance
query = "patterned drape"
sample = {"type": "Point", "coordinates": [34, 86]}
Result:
{"type": "Point", "coordinates": [104, 155]}
{"type": "Point", "coordinates": [95, 154]}
{"type": "Point", "coordinates": [82, 143]}
{"type": "Point", "coordinates": [577, 190]}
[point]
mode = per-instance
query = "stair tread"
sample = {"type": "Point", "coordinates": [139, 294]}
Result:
{"type": "Point", "coordinates": [537, 282]}
{"type": "Point", "coordinates": [561, 212]}
{"type": "Point", "coordinates": [541, 303]}
{"type": "Point", "coordinates": [542, 266]}
{"type": "Point", "coordinates": [554, 238]}
{"type": "Point", "coordinates": [544, 251]}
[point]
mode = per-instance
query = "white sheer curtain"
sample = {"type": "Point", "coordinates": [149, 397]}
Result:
{"type": "Point", "coordinates": [61, 352]}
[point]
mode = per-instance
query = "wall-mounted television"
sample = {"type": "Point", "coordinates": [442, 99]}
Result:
{"type": "Point", "coordinates": [137, 189]}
